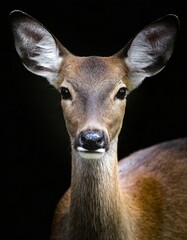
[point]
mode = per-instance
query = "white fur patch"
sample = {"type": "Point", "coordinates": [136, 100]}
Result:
{"type": "Point", "coordinates": [84, 153]}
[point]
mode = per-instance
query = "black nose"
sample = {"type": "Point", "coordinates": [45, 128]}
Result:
{"type": "Point", "coordinates": [92, 140]}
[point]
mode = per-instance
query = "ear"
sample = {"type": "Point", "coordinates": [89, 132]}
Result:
{"type": "Point", "coordinates": [39, 50]}
{"type": "Point", "coordinates": [148, 52]}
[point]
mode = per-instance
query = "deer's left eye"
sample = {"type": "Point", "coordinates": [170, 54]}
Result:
{"type": "Point", "coordinates": [121, 94]}
{"type": "Point", "coordinates": [65, 93]}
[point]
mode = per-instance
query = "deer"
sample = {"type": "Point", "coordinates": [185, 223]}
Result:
{"type": "Point", "coordinates": [140, 197]}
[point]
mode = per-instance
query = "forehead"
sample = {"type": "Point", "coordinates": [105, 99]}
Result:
{"type": "Point", "coordinates": [94, 71]}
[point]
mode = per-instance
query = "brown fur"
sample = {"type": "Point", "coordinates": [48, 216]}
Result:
{"type": "Point", "coordinates": [153, 185]}
{"type": "Point", "coordinates": [144, 196]}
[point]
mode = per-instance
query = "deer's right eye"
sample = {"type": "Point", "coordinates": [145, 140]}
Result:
{"type": "Point", "coordinates": [65, 93]}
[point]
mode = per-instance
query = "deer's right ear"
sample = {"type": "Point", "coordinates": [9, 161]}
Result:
{"type": "Point", "coordinates": [40, 52]}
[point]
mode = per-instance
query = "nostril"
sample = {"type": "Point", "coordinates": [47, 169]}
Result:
{"type": "Point", "coordinates": [100, 141]}
{"type": "Point", "coordinates": [92, 140]}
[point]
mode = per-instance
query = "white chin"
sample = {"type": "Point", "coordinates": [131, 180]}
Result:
{"type": "Point", "coordinates": [84, 153]}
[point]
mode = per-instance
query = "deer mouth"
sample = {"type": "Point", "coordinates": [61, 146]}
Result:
{"type": "Point", "coordinates": [91, 154]}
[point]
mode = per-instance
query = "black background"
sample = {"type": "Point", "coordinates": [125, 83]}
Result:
{"type": "Point", "coordinates": [35, 148]}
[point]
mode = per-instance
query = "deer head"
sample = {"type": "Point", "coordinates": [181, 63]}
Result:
{"type": "Point", "coordinates": [93, 88]}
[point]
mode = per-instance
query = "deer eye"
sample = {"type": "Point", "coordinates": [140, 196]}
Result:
{"type": "Point", "coordinates": [65, 93]}
{"type": "Point", "coordinates": [121, 94]}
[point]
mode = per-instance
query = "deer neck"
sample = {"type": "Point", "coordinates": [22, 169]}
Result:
{"type": "Point", "coordinates": [96, 202]}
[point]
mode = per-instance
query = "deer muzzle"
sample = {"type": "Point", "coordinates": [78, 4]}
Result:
{"type": "Point", "coordinates": [92, 143]}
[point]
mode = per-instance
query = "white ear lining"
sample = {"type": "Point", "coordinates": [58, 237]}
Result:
{"type": "Point", "coordinates": [149, 51]}
{"type": "Point", "coordinates": [47, 56]}
{"type": "Point", "coordinates": [37, 48]}
{"type": "Point", "coordinates": [139, 57]}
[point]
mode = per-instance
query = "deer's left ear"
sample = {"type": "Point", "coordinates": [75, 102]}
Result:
{"type": "Point", "coordinates": [40, 52]}
{"type": "Point", "coordinates": [148, 52]}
